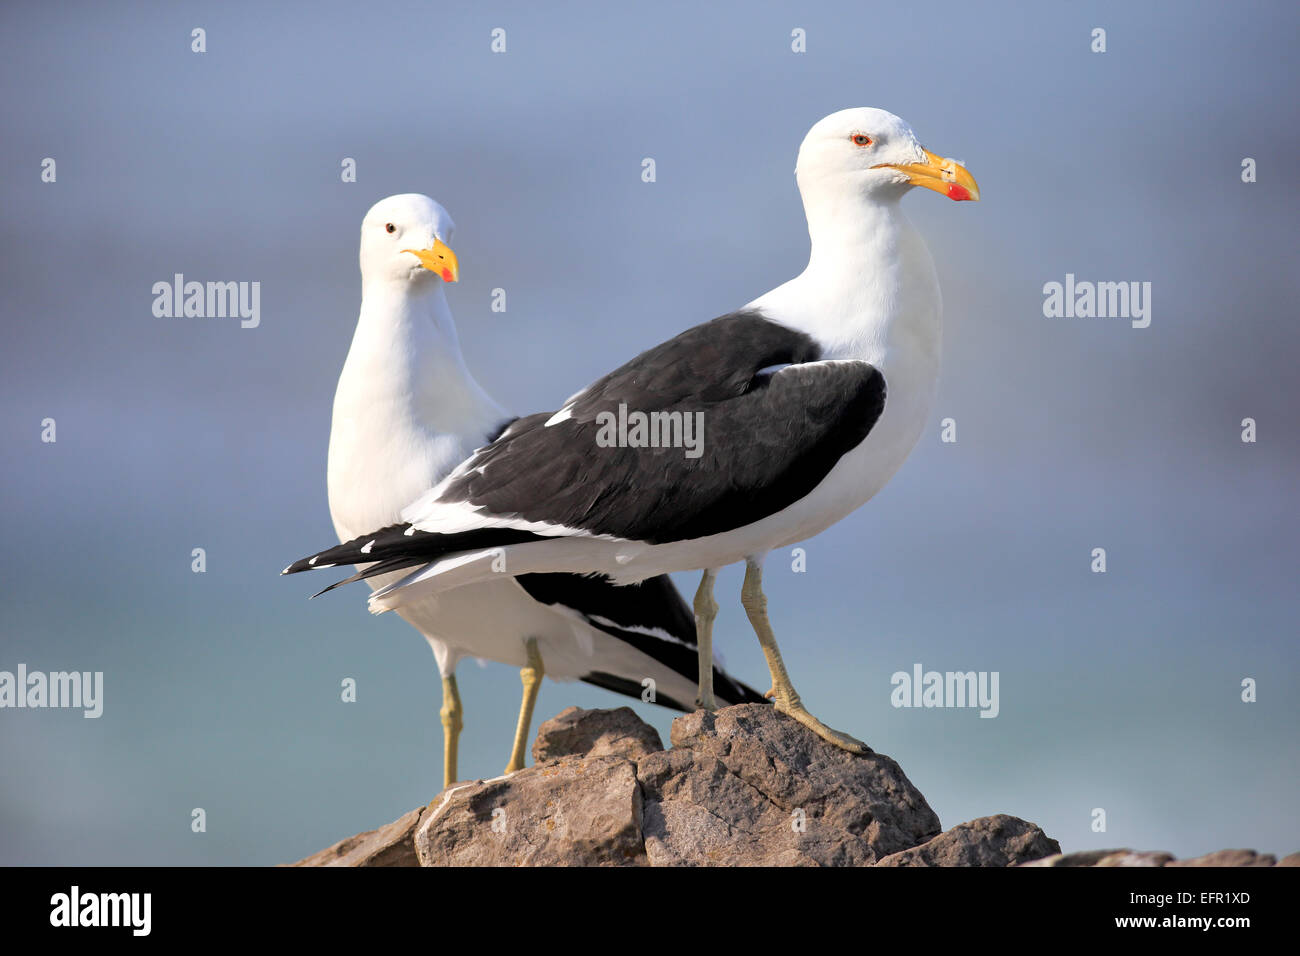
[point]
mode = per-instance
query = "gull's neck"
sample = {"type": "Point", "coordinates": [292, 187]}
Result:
{"type": "Point", "coordinates": [870, 290]}
{"type": "Point", "coordinates": [405, 358]}
{"type": "Point", "coordinates": [406, 410]}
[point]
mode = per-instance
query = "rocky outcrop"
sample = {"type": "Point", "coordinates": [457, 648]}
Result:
{"type": "Point", "coordinates": [744, 786]}
{"type": "Point", "coordinates": [989, 841]}
{"type": "Point", "coordinates": [748, 787]}
{"type": "Point", "coordinates": [1134, 858]}
{"type": "Point", "coordinates": [595, 733]}
{"type": "Point", "coordinates": [391, 845]}
{"type": "Point", "coordinates": [583, 811]}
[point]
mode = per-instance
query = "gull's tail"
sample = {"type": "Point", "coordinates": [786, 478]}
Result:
{"type": "Point", "coordinates": [401, 546]}
{"type": "Point", "coordinates": [641, 629]}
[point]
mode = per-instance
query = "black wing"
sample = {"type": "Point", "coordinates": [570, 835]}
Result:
{"type": "Point", "coordinates": [767, 438]}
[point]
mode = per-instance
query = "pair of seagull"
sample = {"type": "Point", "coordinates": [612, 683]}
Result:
{"type": "Point", "coordinates": [537, 542]}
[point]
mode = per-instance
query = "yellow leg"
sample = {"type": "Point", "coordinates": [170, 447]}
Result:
{"type": "Point", "coordinates": [451, 726]}
{"type": "Point", "coordinates": [531, 677]}
{"type": "Point", "coordinates": [706, 609]}
{"type": "Point", "coordinates": [786, 697]}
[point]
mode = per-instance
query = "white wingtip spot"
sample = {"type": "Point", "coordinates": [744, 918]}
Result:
{"type": "Point", "coordinates": [563, 415]}
{"type": "Point", "coordinates": [286, 570]}
{"type": "Point", "coordinates": [313, 560]}
{"type": "Point", "coordinates": [366, 549]}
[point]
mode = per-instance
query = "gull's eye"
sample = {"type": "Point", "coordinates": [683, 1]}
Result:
{"type": "Point", "coordinates": [390, 227]}
{"type": "Point", "coordinates": [860, 139]}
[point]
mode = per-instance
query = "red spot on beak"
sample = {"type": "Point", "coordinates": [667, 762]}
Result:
{"type": "Point", "coordinates": [446, 274]}
{"type": "Point", "coordinates": [958, 192]}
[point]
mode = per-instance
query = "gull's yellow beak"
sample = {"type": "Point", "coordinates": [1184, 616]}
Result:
{"type": "Point", "coordinates": [438, 258]}
{"type": "Point", "coordinates": [942, 175]}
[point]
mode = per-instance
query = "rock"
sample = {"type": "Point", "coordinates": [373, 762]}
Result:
{"type": "Point", "coordinates": [1103, 858]}
{"type": "Point", "coordinates": [1229, 858]}
{"type": "Point", "coordinates": [1131, 858]}
{"type": "Point", "coordinates": [595, 733]}
{"type": "Point", "coordinates": [391, 845]}
{"type": "Point", "coordinates": [747, 786]}
{"type": "Point", "coordinates": [577, 811]}
{"type": "Point", "coordinates": [1081, 858]}
{"type": "Point", "coordinates": [999, 840]}
{"type": "Point", "coordinates": [744, 786]}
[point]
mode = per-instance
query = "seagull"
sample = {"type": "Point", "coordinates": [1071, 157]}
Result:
{"type": "Point", "coordinates": [810, 398]}
{"type": "Point", "coordinates": [406, 412]}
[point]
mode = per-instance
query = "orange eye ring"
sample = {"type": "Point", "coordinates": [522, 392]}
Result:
{"type": "Point", "coordinates": [860, 139]}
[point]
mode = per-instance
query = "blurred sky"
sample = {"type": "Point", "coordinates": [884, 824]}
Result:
{"type": "Point", "coordinates": [1118, 690]}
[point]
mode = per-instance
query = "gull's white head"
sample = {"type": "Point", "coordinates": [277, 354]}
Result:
{"type": "Point", "coordinates": [404, 239]}
{"type": "Point", "coordinates": [874, 154]}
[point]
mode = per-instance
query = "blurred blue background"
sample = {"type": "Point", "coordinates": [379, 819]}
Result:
{"type": "Point", "coordinates": [1118, 690]}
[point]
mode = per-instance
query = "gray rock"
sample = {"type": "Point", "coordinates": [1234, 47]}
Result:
{"type": "Point", "coordinates": [1132, 858]}
{"type": "Point", "coordinates": [1104, 858]}
{"type": "Point", "coordinates": [1081, 858]}
{"type": "Point", "coordinates": [595, 733]}
{"type": "Point", "coordinates": [1229, 858]}
{"type": "Point", "coordinates": [390, 845]}
{"type": "Point", "coordinates": [747, 786]}
{"type": "Point", "coordinates": [999, 840]}
{"type": "Point", "coordinates": [577, 811]}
